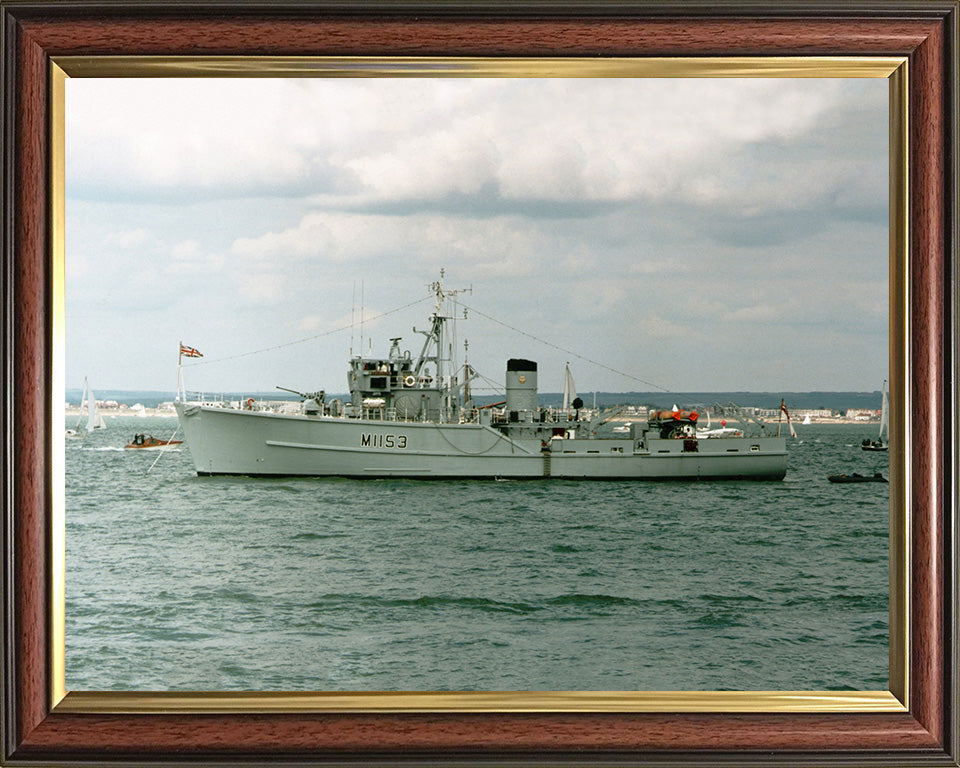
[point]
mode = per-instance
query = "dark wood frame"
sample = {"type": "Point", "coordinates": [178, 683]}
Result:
{"type": "Point", "coordinates": [34, 733]}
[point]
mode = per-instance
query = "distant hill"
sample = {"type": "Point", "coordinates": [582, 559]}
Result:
{"type": "Point", "coordinates": [839, 401]}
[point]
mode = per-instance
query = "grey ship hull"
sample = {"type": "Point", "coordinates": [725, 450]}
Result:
{"type": "Point", "coordinates": [226, 441]}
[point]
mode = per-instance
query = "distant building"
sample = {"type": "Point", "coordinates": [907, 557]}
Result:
{"type": "Point", "coordinates": [815, 413]}
{"type": "Point", "coordinates": [797, 415]}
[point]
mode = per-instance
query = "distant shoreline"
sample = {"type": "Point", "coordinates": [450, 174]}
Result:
{"type": "Point", "coordinates": [817, 404]}
{"type": "Point", "coordinates": [166, 413]}
{"type": "Point", "coordinates": [128, 413]}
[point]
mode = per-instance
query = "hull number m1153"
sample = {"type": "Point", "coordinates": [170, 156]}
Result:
{"type": "Point", "coordinates": [382, 441]}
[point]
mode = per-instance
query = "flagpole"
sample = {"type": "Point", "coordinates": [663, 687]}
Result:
{"type": "Point", "coordinates": [785, 412]}
{"type": "Point", "coordinates": [180, 373]}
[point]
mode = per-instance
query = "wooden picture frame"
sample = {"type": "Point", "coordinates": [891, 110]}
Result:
{"type": "Point", "coordinates": [38, 728]}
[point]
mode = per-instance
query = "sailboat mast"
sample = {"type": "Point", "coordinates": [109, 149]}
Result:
{"type": "Point", "coordinates": [883, 410]}
{"type": "Point", "coordinates": [569, 389]}
{"type": "Point", "coordinates": [84, 400]}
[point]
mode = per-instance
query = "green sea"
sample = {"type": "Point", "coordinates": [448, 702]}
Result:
{"type": "Point", "coordinates": [177, 582]}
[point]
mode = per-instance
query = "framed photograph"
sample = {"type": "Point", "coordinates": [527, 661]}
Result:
{"type": "Point", "coordinates": [63, 63]}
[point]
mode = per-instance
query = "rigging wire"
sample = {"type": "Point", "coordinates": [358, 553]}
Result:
{"type": "Point", "coordinates": [566, 351]}
{"type": "Point", "coordinates": [164, 449]}
{"type": "Point", "coordinates": [308, 338]}
{"type": "Point", "coordinates": [494, 386]}
{"type": "Point", "coordinates": [352, 324]}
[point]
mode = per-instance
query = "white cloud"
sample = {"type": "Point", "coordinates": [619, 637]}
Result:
{"type": "Point", "coordinates": [310, 323]}
{"type": "Point", "coordinates": [189, 257]}
{"type": "Point", "coordinates": [756, 313]}
{"type": "Point", "coordinates": [661, 328]}
{"type": "Point", "coordinates": [453, 161]}
{"type": "Point", "coordinates": [330, 239]}
{"type": "Point", "coordinates": [311, 238]}
{"type": "Point", "coordinates": [129, 238]}
{"type": "Point", "coordinates": [205, 134]}
{"type": "Point", "coordinates": [261, 287]}
{"type": "Point", "coordinates": [401, 139]}
{"type": "Point", "coordinates": [623, 220]}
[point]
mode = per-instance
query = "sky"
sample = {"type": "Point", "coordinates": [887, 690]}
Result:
{"type": "Point", "coordinates": [657, 234]}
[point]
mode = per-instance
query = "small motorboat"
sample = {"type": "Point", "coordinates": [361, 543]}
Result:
{"type": "Point", "coordinates": [143, 441]}
{"type": "Point", "coordinates": [876, 477]}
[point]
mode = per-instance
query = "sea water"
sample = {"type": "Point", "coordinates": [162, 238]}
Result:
{"type": "Point", "coordinates": [179, 582]}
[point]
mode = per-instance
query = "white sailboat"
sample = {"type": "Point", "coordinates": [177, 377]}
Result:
{"type": "Point", "coordinates": [88, 406]}
{"type": "Point", "coordinates": [570, 399]}
{"type": "Point", "coordinates": [881, 443]}
{"type": "Point", "coordinates": [722, 431]}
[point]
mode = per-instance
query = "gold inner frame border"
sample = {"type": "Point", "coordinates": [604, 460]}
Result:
{"type": "Point", "coordinates": [894, 69]}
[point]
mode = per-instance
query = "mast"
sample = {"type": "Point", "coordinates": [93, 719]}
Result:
{"type": "Point", "coordinates": [185, 351]}
{"type": "Point", "coordinates": [436, 336]}
{"type": "Point", "coordinates": [94, 419]}
{"type": "Point", "coordinates": [466, 373]}
{"type": "Point", "coordinates": [361, 317]}
{"type": "Point", "coordinates": [180, 374]}
{"type": "Point", "coordinates": [353, 318]}
{"type": "Point", "coordinates": [84, 398]}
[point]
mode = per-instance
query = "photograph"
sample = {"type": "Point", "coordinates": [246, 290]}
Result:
{"type": "Point", "coordinates": [463, 383]}
{"type": "Point", "coordinates": [467, 383]}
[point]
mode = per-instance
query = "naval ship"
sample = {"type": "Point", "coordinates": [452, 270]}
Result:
{"type": "Point", "coordinates": [413, 417]}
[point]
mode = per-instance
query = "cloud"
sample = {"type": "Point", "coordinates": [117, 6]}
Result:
{"type": "Point", "coordinates": [333, 239]}
{"type": "Point", "coordinates": [261, 287]}
{"type": "Point", "coordinates": [130, 238]}
{"type": "Point", "coordinates": [380, 142]}
{"type": "Point", "coordinates": [625, 221]}
{"type": "Point", "coordinates": [226, 138]}
{"type": "Point", "coordinates": [761, 313]}
{"type": "Point", "coordinates": [310, 323]}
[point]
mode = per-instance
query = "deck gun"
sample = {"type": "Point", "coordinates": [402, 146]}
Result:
{"type": "Point", "coordinates": [318, 397]}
